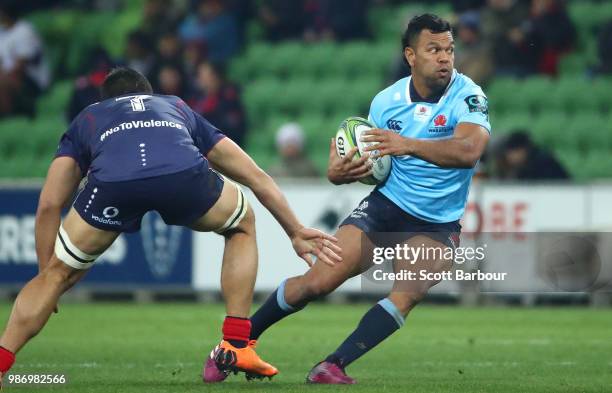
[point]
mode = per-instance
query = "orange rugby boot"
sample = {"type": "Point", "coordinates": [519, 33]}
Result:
{"type": "Point", "coordinates": [211, 372]}
{"type": "Point", "coordinates": [228, 357]}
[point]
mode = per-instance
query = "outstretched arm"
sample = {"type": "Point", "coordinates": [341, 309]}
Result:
{"type": "Point", "coordinates": [462, 150]}
{"type": "Point", "coordinates": [232, 161]}
{"type": "Point", "coordinates": [62, 180]}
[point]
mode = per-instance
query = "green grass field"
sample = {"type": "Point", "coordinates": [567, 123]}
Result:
{"type": "Point", "coordinates": [160, 348]}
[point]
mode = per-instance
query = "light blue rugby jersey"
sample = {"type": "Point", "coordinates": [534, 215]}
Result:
{"type": "Point", "coordinates": [420, 188]}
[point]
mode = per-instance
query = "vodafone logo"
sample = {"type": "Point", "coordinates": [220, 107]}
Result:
{"type": "Point", "coordinates": [110, 212]}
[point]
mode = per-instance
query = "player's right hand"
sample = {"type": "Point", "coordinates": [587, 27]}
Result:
{"type": "Point", "coordinates": [345, 170]}
{"type": "Point", "coordinates": [308, 242]}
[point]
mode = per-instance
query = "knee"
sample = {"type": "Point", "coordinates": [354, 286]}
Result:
{"type": "Point", "coordinates": [247, 224]}
{"type": "Point", "coordinates": [315, 288]}
{"type": "Point", "coordinates": [58, 274]}
{"type": "Point", "coordinates": [249, 219]}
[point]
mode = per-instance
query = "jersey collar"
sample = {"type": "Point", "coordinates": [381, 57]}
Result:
{"type": "Point", "coordinates": [442, 97]}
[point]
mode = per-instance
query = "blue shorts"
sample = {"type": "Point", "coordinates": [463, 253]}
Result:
{"type": "Point", "coordinates": [378, 217]}
{"type": "Point", "coordinates": [180, 198]}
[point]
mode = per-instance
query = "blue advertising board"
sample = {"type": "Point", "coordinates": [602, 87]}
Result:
{"type": "Point", "coordinates": [158, 255]}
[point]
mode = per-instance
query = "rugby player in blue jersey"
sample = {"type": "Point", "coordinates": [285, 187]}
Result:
{"type": "Point", "coordinates": [435, 126]}
{"type": "Point", "coordinates": [143, 152]}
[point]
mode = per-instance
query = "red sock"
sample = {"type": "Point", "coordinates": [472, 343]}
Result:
{"type": "Point", "coordinates": [237, 331]}
{"type": "Point", "coordinates": [7, 358]}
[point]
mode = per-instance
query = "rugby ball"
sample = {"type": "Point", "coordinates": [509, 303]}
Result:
{"type": "Point", "coordinates": [349, 136]}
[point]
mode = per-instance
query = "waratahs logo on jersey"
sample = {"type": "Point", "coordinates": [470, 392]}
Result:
{"type": "Point", "coordinates": [440, 125]}
{"type": "Point", "coordinates": [440, 121]}
{"type": "Point", "coordinates": [161, 244]}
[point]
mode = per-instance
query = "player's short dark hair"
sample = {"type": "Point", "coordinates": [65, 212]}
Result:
{"type": "Point", "coordinates": [123, 80]}
{"type": "Point", "coordinates": [430, 22]}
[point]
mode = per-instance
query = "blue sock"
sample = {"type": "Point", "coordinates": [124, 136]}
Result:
{"type": "Point", "coordinates": [378, 323]}
{"type": "Point", "coordinates": [273, 310]}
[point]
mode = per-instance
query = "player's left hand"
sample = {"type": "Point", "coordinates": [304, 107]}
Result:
{"type": "Point", "coordinates": [389, 143]}
{"type": "Point", "coordinates": [308, 242]}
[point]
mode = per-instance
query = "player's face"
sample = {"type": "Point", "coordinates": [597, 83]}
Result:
{"type": "Point", "coordinates": [433, 58]}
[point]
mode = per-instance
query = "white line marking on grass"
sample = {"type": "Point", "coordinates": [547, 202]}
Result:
{"type": "Point", "coordinates": [535, 341]}
{"type": "Point", "coordinates": [99, 365]}
{"type": "Point", "coordinates": [123, 366]}
{"type": "Point", "coordinates": [487, 364]}
{"type": "Point", "coordinates": [563, 363]}
{"type": "Point", "coordinates": [50, 365]}
{"type": "Point", "coordinates": [538, 341]}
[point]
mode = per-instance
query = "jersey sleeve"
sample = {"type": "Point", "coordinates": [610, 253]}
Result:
{"type": "Point", "coordinates": [204, 134]}
{"type": "Point", "coordinates": [473, 107]}
{"type": "Point", "coordinates": [73, 144]}
{"type": "Point", "coordinates": [375, 115]}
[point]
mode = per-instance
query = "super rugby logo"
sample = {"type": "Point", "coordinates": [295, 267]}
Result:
{"type": "Point", "coordinates": [161, 244]}
{"type": "Point", "coordinates": [478, 103]}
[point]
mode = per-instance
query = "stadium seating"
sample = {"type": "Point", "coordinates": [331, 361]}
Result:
{"type": "Point", "coordinates": [588, 15]}
{"type": "Point", "coordinates": [547, 126]}
{"type": "Point", "coordinates": [258, 96]}
{"type": "Point", "coordinates": [387, 23]}
{"type": "Point", "coordinates": [319, 84]}
{"type": "Point", "coordinates": [54, 102]}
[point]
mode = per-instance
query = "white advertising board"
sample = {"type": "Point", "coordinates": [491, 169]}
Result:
{"type": "Point", "coordinates": [512, 212]}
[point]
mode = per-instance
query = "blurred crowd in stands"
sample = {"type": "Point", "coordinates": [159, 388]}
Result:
{"type": "Point", "coordinates": [510, 37]}
{"type": "Point", "coordinates": [516, 157]}
{"type": "Point", "coordinates": [184, 47]}
{"type": "Point", "coordinates": [23, 69]}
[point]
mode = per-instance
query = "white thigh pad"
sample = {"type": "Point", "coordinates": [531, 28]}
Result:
{"type": "Point", "coordinates": [70, 254]}
{"type": "Point", "coordinates": [242, 205]}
